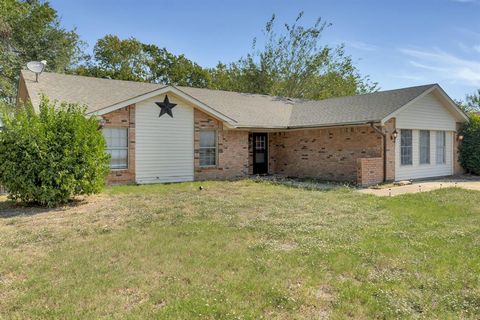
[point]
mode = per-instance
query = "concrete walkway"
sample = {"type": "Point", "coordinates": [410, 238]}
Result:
{"type": "Point", "coordinates": [471, 183]}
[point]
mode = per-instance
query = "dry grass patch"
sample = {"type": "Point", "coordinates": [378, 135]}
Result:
{"type": "Point", "coordinates": [242, 250]}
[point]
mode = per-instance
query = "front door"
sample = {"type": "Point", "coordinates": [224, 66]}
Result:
{"type": "Point", "coordinates": [260, 153]}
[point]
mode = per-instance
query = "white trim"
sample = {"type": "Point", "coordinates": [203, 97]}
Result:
{"type": "Point", "coordinates": [164, 90]}
{"type": "Point", "coordinates": [126, 148]}
{"type": "Point", "coordinates": [449, 101]}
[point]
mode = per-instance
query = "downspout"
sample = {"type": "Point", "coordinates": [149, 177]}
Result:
{"type": "Point", "coordinates": [384, 138]}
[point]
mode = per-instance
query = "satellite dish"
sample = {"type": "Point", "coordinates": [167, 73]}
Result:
{"type": "Point", "coordinates": [37, 67]}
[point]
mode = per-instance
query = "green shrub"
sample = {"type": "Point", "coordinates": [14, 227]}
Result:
{"type": "Point", "coordinates": [50, 156]}
{"type": "Point", "coordinates": [470, 146]}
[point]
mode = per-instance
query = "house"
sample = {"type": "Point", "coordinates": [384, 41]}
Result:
{"type": "Point", "coordinates": [159, 133]}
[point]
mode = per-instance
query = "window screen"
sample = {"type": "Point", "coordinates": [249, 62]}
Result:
{"type": "Point", "coordinates": [406, 147]}
{"type": "Point", "coordinates": [441, 147]}
{"type": "Point", "coordinates": [117, 146]}
{"type": "Point", "coordinates": [208, 148]}
{"type": "Point", "coordinates": [424, 147]}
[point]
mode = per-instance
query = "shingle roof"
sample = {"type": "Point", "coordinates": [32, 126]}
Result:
{"type": "Point", "coordinates": [248, 110]}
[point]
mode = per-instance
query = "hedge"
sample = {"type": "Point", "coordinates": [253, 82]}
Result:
{"type": "Point", "coordinates": [470, 145]}
{"type": "Point", "coordinates": [50, 156]}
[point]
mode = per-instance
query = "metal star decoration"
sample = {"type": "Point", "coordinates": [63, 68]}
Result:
{"type": "Point", "coordinates": [166, 107]}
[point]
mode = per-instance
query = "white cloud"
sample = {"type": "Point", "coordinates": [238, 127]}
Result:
{"type": "Point", "coordinates": [467, 1]}
{"type": "Point", "coordinates": [444, 66]}
{"type": "Point", "coordinates": [359, 45]}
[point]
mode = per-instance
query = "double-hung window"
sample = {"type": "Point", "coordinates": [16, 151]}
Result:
{"type": "Point", "coordinates": [406, 147]}
{"type": "Point", "coordinates": [208, 148]}
{"type": "Point", "coordinates": [424, 147]}
{"type": "Point", "coordinates": [117, 147]}
{"type": "Point", "coordinates": [441, 147]}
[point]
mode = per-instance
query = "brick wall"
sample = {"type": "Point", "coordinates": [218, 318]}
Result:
{"type": "Point", "coordinates": [232, 150]}
{"type": "Point", "coordinates": [457, 167]}
{"type": "Point", "coordinates": [123, 118]}
{"type": "Point", "coordinates": [369, 171]}
{"type": "Point", "coordinates": [329, 154]}
{"type": "Point", "coordinates": [388, 129]}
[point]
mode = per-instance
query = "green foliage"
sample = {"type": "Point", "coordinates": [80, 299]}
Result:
{"type": "Point", "coordinates": [471, 103]}
{"type": "Point", "coordinates": [30, 30]}
{"type": "Point", "coordinates": [129, 59]}
{"type": "Point", "coordinates": [294, 64]}
{"type": "Point", "coordinates": [470, 146]}
{"type": "Point", "coordinates": [49, 156]}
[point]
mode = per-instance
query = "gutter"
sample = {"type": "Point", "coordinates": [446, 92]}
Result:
{"type": "Point", "coordinates": [384, 138]}
{"type": "Point", "coordinates": [313, 126]}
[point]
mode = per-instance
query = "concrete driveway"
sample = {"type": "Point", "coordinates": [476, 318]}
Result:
{"type": "Point", "coordinates": [465, 182]}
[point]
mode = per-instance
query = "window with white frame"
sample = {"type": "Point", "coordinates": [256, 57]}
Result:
{"type": "Point", "coordinates": [424, 147]}
{"type": "Point", "coordinates": [117, 146]}
{"type": "Point", "coordinates": [406, 147]}
{"type": "Point", "coordinates": [208, 148]}
{"type": "Point", "coordinates": [441, 147]}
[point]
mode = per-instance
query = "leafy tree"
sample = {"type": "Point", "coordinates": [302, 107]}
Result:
{"type": "Point", "coordinates": [129, 59]}
{"type": "Point", "coordinates": [168, 68]}
{"type": "Point", "coordinates": [470, 146]}
{"type": "Point", "coordinates": [118, 59]}
{"type": "Point", "coordinates": [48, 157]}
{"type": "Point", "coordinates": [293, 64]}
{"type": "Point", "coordinates": [471, 103]}
{"type": "Point", "coordinates": [30, 30]}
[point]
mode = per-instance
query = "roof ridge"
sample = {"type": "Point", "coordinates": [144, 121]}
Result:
{"type": "Point", "coordinates": [427, 86]}
{"type": "Point", "coordinates": [243, 93]}
{"type": "Point", "coordinates": [95, 78]}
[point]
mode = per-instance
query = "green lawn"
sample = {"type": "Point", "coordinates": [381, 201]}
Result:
{"type": "Point", "coordinates": [243, 250]}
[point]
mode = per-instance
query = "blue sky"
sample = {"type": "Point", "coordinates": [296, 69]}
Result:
{"type": "Point", "coordinates": [397, 43]}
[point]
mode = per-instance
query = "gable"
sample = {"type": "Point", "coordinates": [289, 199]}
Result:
{"type": "Point", "coordinates": [163, 144]}
{"type": "Point", "coordinates": [428, 112]}
{"type": "Point", "coordinates": [234, 109]}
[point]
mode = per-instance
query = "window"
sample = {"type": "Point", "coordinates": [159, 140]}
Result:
{"type": "Point", "coordinates": [117, 146]}
{"type": "Point", "coordinates": [441, 147]}
{"type": "Point", "coordinates": [406, 147]}
{"type": "Point", "coordinates": [208, 148]}
{"type": "Point", "coordinates": [424, 147]}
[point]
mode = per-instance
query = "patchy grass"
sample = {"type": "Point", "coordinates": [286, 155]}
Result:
{"type": "Point", "coordinates": [243, 250]}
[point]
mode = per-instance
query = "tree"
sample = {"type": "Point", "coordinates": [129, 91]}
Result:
{"type": "Point", "coordinates": [470, 146]}
{"type": "Point", "coordinates": [471, 103]}
{"type": "Point", "coordinates": [117, 59]}
{"type": "Point", "coordinates": [30, 30]}
{"type": "Point", "coordinates": [293, 64]}
{"type": "Point", "coordinates": [49, 157]}
{"type": "Point", "coordinates": [129, 59]}
{"type": "Point", "coordinates": [168, 68]}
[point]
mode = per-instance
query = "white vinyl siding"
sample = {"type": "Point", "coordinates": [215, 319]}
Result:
{"type": "Point", "coordinates": [164, 145]}
{"type": "Point", "coordinates": [426, 114]}
{"type": "Point", "coordinates": [417, 170]}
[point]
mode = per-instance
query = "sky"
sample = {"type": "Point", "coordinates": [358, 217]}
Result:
{"type": "Point", "coordinates": [397, 43]}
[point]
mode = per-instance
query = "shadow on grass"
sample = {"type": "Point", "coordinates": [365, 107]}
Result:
{"type": "Point", "coordinates": [10, 208]}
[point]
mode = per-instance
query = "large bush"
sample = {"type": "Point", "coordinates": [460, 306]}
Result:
{"type": "Point", "coordinates": [470, 146]}
{"type": "Point", "coordinates": [48, 157]}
